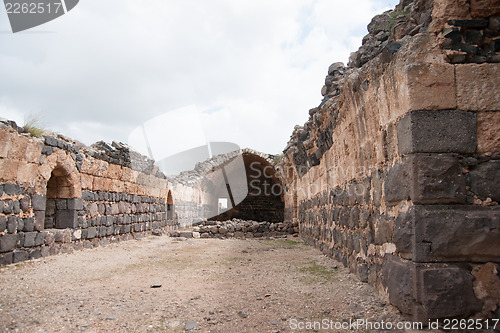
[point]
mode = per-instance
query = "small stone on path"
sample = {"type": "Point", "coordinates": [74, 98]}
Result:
{"type": "Point", "coordinates": [242, 314]}
{"type": "Point", "coordinates": [191, 325]}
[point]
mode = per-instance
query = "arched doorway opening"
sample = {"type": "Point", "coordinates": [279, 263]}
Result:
{"type": "Point", "coordinates": [264, 200]}
{"type": "Point", "coordinates": [170, 206]}
{"type": "Point", "coordinates": [61, 210]}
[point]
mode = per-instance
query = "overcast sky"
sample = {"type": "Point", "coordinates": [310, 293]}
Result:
{"type": "Point", "coordinates": [248, 70]}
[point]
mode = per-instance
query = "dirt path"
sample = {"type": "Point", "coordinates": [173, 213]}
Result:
{"type": "Point", "coordinates": [209, 284]}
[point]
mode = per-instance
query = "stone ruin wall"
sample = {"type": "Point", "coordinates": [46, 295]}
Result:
{"type": "Point", "coordinates": [377, 178]}
{"type": "Point", "coordinates": [57, 195]}
{"type": "Point", "coordinates": [396, 173]}
{"type": "Point", "coordinates": [197, 191]}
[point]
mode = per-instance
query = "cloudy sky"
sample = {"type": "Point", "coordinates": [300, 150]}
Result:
{"type": "Point", "coordinates": [242, 71]}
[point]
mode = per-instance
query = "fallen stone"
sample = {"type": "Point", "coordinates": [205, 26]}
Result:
{"type": "Point", "coordinates": [191, 325]}
{"type": "Point", "coordinates": [186, 234]}
{"type": "Point", "coordinates": [242, 314]}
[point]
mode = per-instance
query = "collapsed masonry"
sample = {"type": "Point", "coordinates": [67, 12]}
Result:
{"type": "Point", "coordinates": [396, 173]}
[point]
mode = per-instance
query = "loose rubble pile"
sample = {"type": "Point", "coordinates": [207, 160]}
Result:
{"type": "Point", "coordinates": [237, 228]}
{"type": "Point", "coordinates": [388, 30]}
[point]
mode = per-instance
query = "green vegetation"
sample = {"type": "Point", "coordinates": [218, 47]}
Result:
{"type": "Point", "coordinates": [396, 14]}
{"type": "Point", "coordinates": [321, 272]}
{"type": "Point", "coordinates": [277, 158]}
{"type": "Point", "coordinates": [281, 242]}
{"type": "Point", "coordinates": [290, 242]}
{"type": "Point", "coordinates": [33, 126]}
{"type": "Point", "coordinates": [236, 259]}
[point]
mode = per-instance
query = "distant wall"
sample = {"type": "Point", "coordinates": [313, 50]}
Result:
{"type": "Point", "coordinates": [57, 195]}
{"type": "Point", "coordinates": [249, 175]}
{"type": "Point", "coordinates": [396, 173]}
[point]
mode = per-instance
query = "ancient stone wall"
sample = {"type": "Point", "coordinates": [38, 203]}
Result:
{"type": "Point", "coordinates": [245, 177]}
{"type": "Point", "coordinates": [396, 172]}
{"type": "Point", "coordinates": [57, 195]}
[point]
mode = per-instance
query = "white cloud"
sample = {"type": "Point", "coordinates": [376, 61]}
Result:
{"type": "Point", "coordinates": [108, 66]}
{"type": "Point", "coordinates": [11, 114]}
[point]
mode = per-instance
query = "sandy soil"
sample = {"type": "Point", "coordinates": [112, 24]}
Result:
{"type": "Point", "coordinates": [207, 285]}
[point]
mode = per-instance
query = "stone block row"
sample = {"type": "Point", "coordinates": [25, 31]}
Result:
{"type": "Point", "coordinates": [443, 179]}
{"type": "Point", "coordinates": [430, 291]}
{"type": "Point", "coordinates": [118, 197]}
{"type": "Point", "coordinates": [476, 40]}
{"type": "Point", "coordinates": [449, 233]}
{"type": "Point", "coordinates": [26, 246]}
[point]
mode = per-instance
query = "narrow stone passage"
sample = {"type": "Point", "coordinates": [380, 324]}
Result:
{"type": "Point", "coordinates": [205, 285]}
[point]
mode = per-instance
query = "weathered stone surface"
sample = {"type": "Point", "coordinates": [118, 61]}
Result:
{"type": "Point", "coordinates": [447, 292]}
{"type": "Point", "coordinates": [397, 184]}
{"type": "Point", "coordinates": [12, 224]}
{"type": "Point", "coordinates": [66, 219]}
{"type": "Point", "coordinates": [485, 180]}
{"type": "Point", "coordinates": [11, 189]}
{"type": "Point", "coordinates": [91, 232]}
{"type": "Point", "coordinates": [450, 9]}
{"type": "Point", "coordinates": [477, 87]}
{"type": "Point", "coordinates": [429, 291]}
{"type": "Point", "coordinates": [3, 223]}
{"type": "Point", "coordinates": [437, 179]}
{"type": "Point", "coordinates": [8, 242]}
{"type": "Point", "coordinates": [487, 285]}
{"type": "Point", "coordinates": [431, 87]}
{"type": "Point", "coordinates": [449, 233]}
{"type": "Point", "coordinates": [62, 204]}
{"type": "Point", "coordinates": [75, 204]}
{"type": "Point", "coordinates": [7, 207]}
{"type": "Point", "coordinates": [5, 138]}
{"type": "Point", "coordinates": [40, 238]}
{"type": "Point", "coordinates": [9, 169]}
{"type": "Point", "coordinates": [429, 132]}
{"type": "Point", "coordinates": [20, 225]}
{"type": "Point", "coordinates": [38, 202]}
{"type": "Point", "coordinates": [383, 228]}
{"type": "Point", "coordinates": [398, 277]}
{"type": "Point", "coordinates": [6, 259]}
{"type": "Point", "coordinates": [484, 8]}
{"type": "Point", "coordinates": [25, 204]}
{"type": "Point", "coordinates": [19, 256]}
{"type": "Point", "coordinates": [39, 220]}
{"type": "Point", "coordinates": [404, 235]}
{"type": "Point", "coordinates": [29, 239]}
{"type": "Point", "coordinates": [186, 234]}
{"type": "Point", "coordinates": [380, 23]}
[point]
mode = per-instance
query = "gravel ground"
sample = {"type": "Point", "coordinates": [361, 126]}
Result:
{"type": "Point", "coordinates": [202, 285]}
